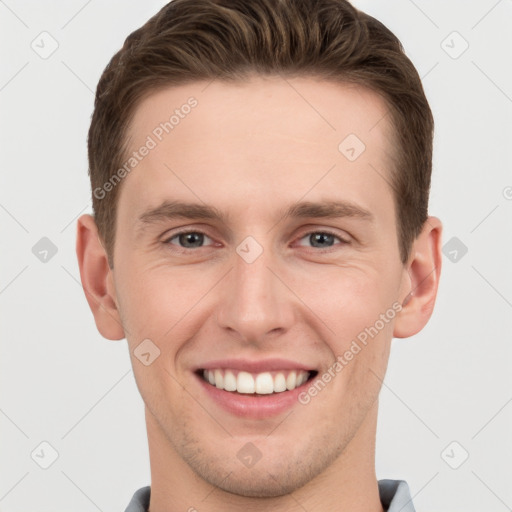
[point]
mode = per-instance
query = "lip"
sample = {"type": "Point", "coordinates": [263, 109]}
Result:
{"type": "Point", "coordinates": [251, 406]}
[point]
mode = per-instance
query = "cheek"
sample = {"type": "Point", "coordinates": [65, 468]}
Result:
{"type": "Point", "coordinates": [348, 300]}
{"type": "Point", "coordinates": [153, 300]}
{"type": "Point", "coordinates": [162, 392]}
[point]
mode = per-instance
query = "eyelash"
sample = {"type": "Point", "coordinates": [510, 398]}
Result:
{"type": "Point", "coordinates": [343, 242]}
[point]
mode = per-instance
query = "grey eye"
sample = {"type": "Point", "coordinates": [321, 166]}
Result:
{"type": "Point", "coordinates": [189, 240]}
{"type": "Point", "coordinates": [321, 239]}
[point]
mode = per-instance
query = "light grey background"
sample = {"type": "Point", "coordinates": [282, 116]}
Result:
{"type": "Point", "coordinates": [62, 383]}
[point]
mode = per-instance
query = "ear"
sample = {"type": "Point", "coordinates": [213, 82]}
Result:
{"type": "Point", "coordinates": [424, 270]}
{"type": "Point", "coordinates": [97, 279]}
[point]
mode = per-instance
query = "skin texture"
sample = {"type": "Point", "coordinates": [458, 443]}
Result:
{"type": "Point", "coordinates": [251, 149]}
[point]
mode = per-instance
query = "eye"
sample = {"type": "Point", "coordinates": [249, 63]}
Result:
{"type": "Point", "coordinates": [188, 239]}
{"type": "Point", "coordinates": [198, 239]}
{"type": "Point", "coordinates": [322, 239]}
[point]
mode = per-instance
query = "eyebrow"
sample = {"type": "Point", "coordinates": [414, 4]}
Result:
{"type": "Point", "coordinates": [169, 210]}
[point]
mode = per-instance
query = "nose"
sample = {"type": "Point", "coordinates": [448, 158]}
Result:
{"type": "Point", "coordinates": [255, 302]}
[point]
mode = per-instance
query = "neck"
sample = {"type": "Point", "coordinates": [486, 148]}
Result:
{"type": "Point", "coordinates": [348, 484]}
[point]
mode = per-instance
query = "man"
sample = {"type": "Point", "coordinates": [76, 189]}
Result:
{"type": "Point", "coordinates": [260, 174]}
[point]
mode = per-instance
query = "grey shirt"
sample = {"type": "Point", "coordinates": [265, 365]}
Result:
{"type": "Point", "coordinates": [394, 496]}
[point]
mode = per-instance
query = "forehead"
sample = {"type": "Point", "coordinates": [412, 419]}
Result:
{"type": "Point", "coordinates": [286, 106]}
{"type": "Point", "coordinates": [266, 139]}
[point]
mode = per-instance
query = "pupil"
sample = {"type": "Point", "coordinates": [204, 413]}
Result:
{"type": "Point", "coordinates": [191, 239]}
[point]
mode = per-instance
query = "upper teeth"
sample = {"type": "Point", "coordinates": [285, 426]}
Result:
{"type": "Point", "coordinates": [259, 383]}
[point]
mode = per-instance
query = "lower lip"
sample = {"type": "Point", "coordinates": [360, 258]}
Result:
{"type": "Point", "coordinates": [253, 406]}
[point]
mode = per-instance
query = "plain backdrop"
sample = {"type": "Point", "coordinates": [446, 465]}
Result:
{"type": "Point", "coordinates": [445, 420]}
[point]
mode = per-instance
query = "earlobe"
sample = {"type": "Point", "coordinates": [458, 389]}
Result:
{"type": "Point", "coordinates": [96, 277]}
{"type": "Point", "coordinates": [424, 269]}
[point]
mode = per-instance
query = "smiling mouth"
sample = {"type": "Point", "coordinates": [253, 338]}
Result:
{"type": "Point", "coordinates": [264, 383]}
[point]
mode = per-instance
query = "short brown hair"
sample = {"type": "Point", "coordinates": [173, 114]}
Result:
{"type": "Point", "coordinates": [192, 40]}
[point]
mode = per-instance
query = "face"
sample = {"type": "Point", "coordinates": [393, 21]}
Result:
{"type": "Point", "coordinates": [256, 241]}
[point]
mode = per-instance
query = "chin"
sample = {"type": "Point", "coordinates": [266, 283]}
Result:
{"type": "Point", "coordinates": [261, 483]}
{"type": "Point", "coordinates": [272, 476]}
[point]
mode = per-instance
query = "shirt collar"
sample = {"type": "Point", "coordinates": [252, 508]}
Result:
{"type": "Point", "coordinates": [395, 496]}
